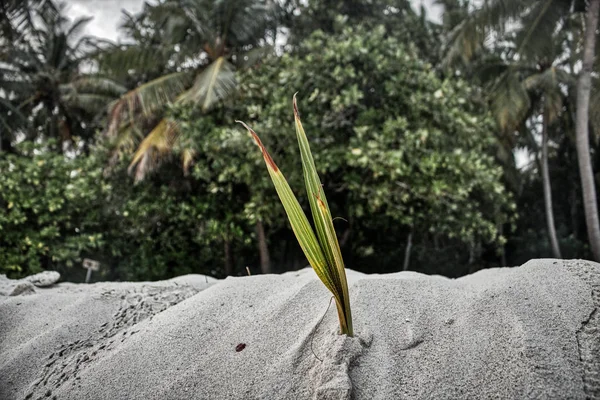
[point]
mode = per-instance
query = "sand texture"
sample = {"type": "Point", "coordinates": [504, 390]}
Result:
{"type": "Point", "coordinates": [531, 332]}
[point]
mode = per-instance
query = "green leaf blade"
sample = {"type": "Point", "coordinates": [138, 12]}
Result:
{"type": "Point", "coordinates": [322, 250]}
{"type": "Point", "coordinates": [324, 223]}
{"type": "Point", "coordinates": [298, 220]}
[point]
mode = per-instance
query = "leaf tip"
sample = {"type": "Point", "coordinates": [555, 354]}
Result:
{"type": "Point", "coordinates": [251, 131]}
{"type": "Point", "coordinates": [266, 155]}
{"type": "Point", "coordinates": [294, 101]}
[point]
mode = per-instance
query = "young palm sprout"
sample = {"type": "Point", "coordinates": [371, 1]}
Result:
{"type": "Point", "coordinates": [322, 250]}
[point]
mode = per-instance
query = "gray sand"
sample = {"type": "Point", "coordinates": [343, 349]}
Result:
{"type": "Point", "coordinates": [527, 332]}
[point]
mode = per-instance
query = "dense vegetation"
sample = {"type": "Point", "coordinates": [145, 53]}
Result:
{"type": "Point", "coordinates": [129, 154]}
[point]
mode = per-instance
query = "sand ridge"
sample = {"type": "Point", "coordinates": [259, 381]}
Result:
{"type": "Point", "coordinates": [526, 332]}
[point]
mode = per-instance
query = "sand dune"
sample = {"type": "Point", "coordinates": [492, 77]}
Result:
{"type": "Point", "coordinates": [527, 332]}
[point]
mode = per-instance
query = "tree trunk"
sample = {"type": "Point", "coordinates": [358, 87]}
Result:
{"type": "Point", "coordinates": [503, 246]}
{"type": "Point", "coordinates": [5, 143]}
{"type": "Point", "coordinates": [474, 256]}
{"type": "Point", "coordinates": [263, 249]}
{"type": "Point", "coordinates": [228, 261]}
{"type": "Point", "coordinates": [471, 254]}
{"type": "Point", "coordinates": [407, 251]}
{"type": "Point", "coordinates": [584, 84]}
{"type": "Point", "coordinates": [547, 189]}
{"type": "Point", "coordinates": [574, 209]}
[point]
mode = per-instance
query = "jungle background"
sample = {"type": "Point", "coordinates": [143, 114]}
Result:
{"type": "Point", "coordinates": [444, 147]}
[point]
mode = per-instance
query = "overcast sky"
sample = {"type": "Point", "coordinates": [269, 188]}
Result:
{"type": "Point", "coordinates": [107, 13]}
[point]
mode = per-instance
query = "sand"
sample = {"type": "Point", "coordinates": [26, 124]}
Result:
{"type": "Point", "coordinates": [528, 332]}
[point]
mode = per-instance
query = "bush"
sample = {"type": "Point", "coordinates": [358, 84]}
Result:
{"type": "Point", "coordinates": [50, 208]}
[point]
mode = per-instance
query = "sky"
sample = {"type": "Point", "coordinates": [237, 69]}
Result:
{"type": "Point", "coordinates": [107, 14]}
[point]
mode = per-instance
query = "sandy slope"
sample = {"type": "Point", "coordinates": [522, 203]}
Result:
{"type": "Point", "coordinates": [527, 332]}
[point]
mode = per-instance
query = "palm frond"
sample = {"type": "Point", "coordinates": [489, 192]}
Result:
{"type": "Point", "coordinates": [84, 48]}
{"type": "Point", "coordinates": [126, 139]}
{"type": "Point", "coordinates": [549, 79]}
{"type": "Point", "coordinates": [462, 43]}
{"type": "Point", "coordinates": [249, 22]}
{"type": "Point", "coordinates": [214, 83]}
{"type": "Point", "coordinates": [11, 118]}
{"type": "Point", "coordinates": [548, 84]}
{"type": "Point", "coordinates": [470, 35]}
{"type": "Point", "coordinates": [16, 87]}
{"type": "Point", "coordinates": [241, 22]}
{"type": "Point", "coordinates": [509, 101]}
{"type": "Point", "coordinates": [18, 17]}
{"type": "Point", "coordinates": [89, 102]}
{"type": "Point", "coordinates": [93, 84]}
{"type": "Point", "coordinates": [187, 159]}
{"type": "Point", "coordinates": [154, 148]}
{"type": "Point", "coordinates": [78, 26]}
{"type": "Point", "coordinates": [489, 70]}
{"type": "Point", "coordinates": [147, 99]}
{"type": "Point", "coordinates": [120, 59]}
{"type": "Point", "coordinates": [535, 39]}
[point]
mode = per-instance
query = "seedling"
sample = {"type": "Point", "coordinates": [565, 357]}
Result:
{"type": "Point", "coordinates": [322, 250]}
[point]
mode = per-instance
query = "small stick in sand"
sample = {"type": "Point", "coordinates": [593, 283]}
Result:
{"type": "Point", "coordinates": [317, 327]}
{"type": "Point", "coordinates": [248, 271]}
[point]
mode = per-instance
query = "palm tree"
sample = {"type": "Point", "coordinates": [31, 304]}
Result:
{"type": "Point", "coordinates": [536, 27]}
{"type": "Point", "coordinates": [522, 92]}
{"type": "Point", "coordinates": [199, 43]}
{"type": "Point", "coordinates": [43, 92]}
{"type": "Point", "coordinates": [586, 172]}
{"type": "Point", "coordinates": [16, 15]}
{"type": "Point", "coordinates": [185, 52]}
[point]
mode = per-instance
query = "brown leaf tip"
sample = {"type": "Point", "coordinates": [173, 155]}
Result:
{"type": "Point", "coordinates": [265, 153]}
{"type": "Point", "coordinates": [296, 113]}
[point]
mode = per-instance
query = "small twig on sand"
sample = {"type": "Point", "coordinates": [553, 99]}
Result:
{"type": "Point", "coordinates": [317, 327]}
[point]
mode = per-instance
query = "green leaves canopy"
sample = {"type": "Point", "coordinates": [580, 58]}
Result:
{"type": "Point", "coordinates": [398, 148]}
{"type": "Point", "coordinates": [205, 39]}
{"type": "Point", "coordinates": [49, 210]}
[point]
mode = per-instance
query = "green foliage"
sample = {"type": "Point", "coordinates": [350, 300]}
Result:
{"type": "Point", "coordinates": [157, 230]}
{"type": "Point", "coordinates": [530, 23]}
{"type": "Point", "coordinates": [401, 19]}
{"type": "Point", "coordinates": [49, 208]}
{"type": "Point", "coordinates": [207, 40]}
{"type": "Point", "coordinates": [524, 55]}
{"type": "Point", "coordinates": [400, 149]}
